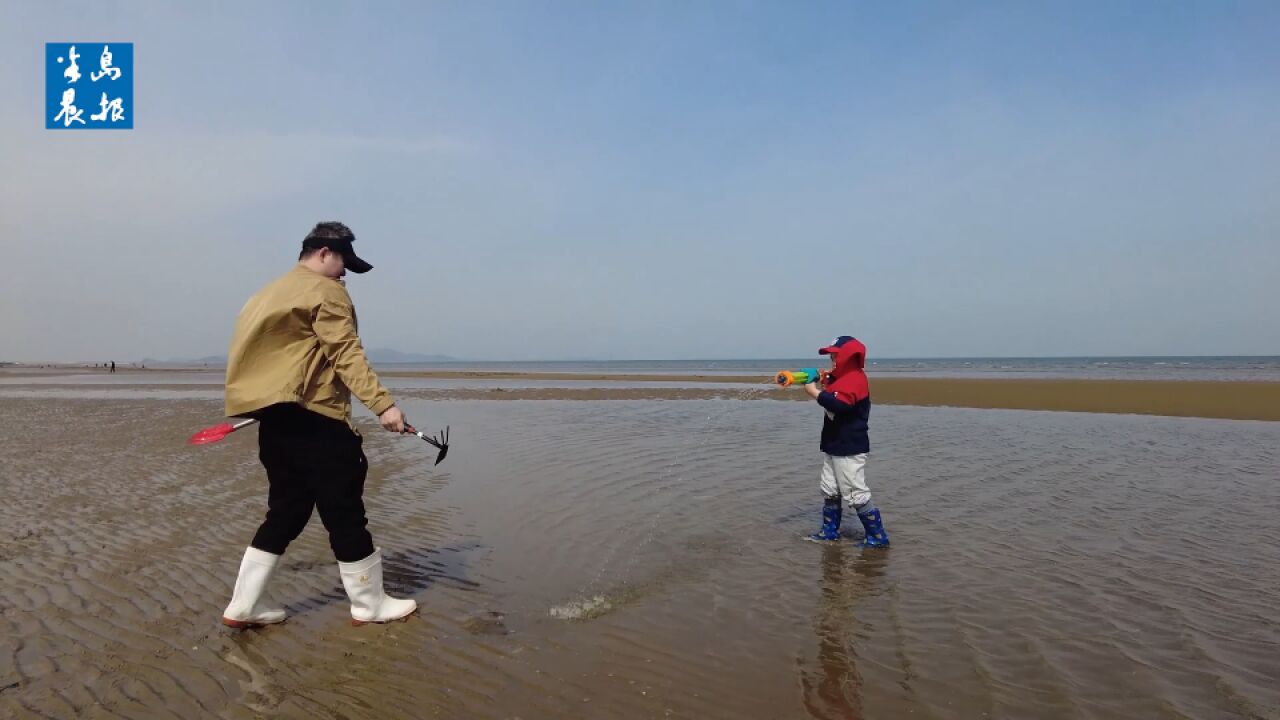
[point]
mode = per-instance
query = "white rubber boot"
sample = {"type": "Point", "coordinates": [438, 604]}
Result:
{"type": "Point", "coordinates": [369, 602]}
{"type": "Point", "coordinates": [248, 601]}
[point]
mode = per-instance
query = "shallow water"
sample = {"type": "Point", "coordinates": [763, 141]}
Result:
{"type": "Point", "coordinates": [622, 559]}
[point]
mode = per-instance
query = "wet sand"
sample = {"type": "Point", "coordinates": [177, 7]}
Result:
{"type": "Point", "coordinates": [1208, 399]}
{"type": "Point", "coordinates": [1245, 400]}
{"type": "Point", "coordinates": [631, 558]}
{"type": "Point", "coordinates": [1228, 400]}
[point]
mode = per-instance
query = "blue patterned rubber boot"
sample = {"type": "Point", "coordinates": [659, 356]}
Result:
{"type": "Point", "coordinates": [877, 536]}
{"type": "Point", "coordinates": [832, 512]}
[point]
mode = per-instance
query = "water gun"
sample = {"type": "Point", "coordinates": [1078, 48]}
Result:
{"type": "Point", "coordinates": [787, 378]}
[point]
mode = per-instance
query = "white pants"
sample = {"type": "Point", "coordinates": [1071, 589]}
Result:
{"type": "Point", "coordinates": [846, 477]}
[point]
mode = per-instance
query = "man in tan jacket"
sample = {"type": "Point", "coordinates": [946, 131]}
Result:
{"type": "Point", "coordinates": [295, 360]}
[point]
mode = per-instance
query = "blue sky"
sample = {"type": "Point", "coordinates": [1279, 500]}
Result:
{"type": "Point", "coordinates": [659, 180]}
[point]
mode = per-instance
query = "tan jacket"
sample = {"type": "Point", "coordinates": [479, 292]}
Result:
{"type": "Point", "coordinates": [295, 341]}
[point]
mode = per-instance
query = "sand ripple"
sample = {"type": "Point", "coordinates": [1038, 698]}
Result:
{"type": "Point", "coordinates": [1044, 565]}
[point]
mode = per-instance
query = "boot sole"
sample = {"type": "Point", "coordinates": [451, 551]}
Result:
{"type": "Point", "coordinates": [402, 618]}
{"type": "Point", "coordinates": [246, 624]}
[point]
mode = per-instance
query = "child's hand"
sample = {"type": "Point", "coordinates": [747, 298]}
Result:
{"type": "Point", "coordinates": [812, 389]}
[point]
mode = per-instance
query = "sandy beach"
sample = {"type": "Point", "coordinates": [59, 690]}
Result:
{"type": "Point", "coordinates": [636, 557]}
{"type": "Point", "coordinates": [1232, 400]}
{"type": "Point", "coordinates": [1228, 400]}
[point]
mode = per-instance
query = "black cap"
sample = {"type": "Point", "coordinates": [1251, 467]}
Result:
{"type": "Point", "coordinates": [338, 238]}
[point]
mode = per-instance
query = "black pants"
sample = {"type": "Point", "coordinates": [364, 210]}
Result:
{"type": "Point", "coordinates": [312, 462]}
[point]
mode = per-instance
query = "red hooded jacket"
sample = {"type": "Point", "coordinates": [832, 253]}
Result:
{"type": "Point", "coordinates": [846, 397]}
{"type": "Point", "coordinates": [848, 381]}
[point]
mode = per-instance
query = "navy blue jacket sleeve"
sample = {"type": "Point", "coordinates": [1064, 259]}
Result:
{"type": "Point", "coordinates": [830, 402]}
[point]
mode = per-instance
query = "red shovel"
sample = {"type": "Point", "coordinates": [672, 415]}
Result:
{"type": "Point", "coordinates": [218, 432]}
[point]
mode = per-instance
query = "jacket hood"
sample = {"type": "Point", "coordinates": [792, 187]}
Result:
{"type": "Point", "coordinates": [848, 377]}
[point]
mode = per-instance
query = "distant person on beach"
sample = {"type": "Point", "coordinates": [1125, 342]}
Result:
{"type": "Point", "coordinates": [113, 366]}
{"type": "Point", "coordinates": [846, 399]}
{"type": "Point", "coordinates": [295, 360]}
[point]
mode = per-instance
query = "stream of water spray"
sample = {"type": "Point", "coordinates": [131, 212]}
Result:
{"type": "Point", "coordinates": [591, 602]}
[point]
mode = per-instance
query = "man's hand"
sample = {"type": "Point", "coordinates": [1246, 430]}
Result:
{"type": "Point", "coordinates": [392, 419]}
{"type": "Point", "coordinates": [812, 389]}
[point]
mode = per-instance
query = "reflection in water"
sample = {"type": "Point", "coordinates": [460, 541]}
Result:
{"type": "Point", "coordinates": [834, 688]}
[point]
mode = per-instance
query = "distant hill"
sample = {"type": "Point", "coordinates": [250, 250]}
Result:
{"type": "Point", "coordinates": [387, 355]}
{"type": "Point", "coordinates": [377, 355]}
{"type": "Point", "coordinates": [219, 360]}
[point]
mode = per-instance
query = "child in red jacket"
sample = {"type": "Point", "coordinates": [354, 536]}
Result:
{"type": "Point", "coordinates": [846, 400]}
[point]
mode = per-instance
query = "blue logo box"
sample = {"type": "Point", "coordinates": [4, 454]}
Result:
{"type": "Point", "coordinates": [88, 86]}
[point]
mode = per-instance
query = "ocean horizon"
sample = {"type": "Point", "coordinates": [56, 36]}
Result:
{"type": "Point", "coordinates": [1152, 367]}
